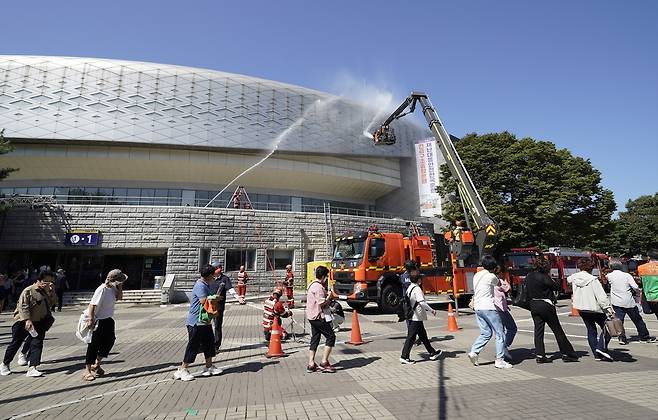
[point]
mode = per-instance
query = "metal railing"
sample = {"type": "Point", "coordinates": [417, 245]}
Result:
{"type": "Point", "coordinates": [200, 202]}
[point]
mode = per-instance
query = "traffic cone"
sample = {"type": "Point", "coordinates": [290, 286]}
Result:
{"type": "Point", "coordinates": [356, 330]}
{"type": "Point", "coordinates": [574, 311]}
{"type": "Point", "coordinates": [275, 341]}
{"type": "Point", "coordinates": [452, 321]}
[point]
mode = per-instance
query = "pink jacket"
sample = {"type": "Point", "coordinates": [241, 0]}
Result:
{"type": "Point", "coordinates": [500, 299]}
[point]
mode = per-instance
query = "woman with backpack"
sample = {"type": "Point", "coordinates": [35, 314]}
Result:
{"type": "Point", "coordinates": [415, 300]}
{"type": "Point", "coordinates": [540, 287]}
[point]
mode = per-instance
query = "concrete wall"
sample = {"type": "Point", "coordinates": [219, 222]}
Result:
{"type": "Point", "coordinates": [183, 231]}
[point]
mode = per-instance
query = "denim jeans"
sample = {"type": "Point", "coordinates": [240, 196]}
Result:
{"type": "Point", "coordinates": [634, 314]}
{"type": "Point", "coordinates": [509, 326]}
{"type": "Point", "coordinates": [596, 341]}
{"type": "Point", "coordinates": [489, 322]}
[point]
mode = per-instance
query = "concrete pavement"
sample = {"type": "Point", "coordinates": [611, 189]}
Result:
{"type": "Point", "coordinates": [370, 382]}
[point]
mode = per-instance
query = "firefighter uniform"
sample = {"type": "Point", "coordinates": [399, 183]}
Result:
{"type": "Point", "coordinates": [274, 308]}
{"type": "Point", "coordinates": [289, 282]}
{"type": "Point", "coordinates": [243, 277]}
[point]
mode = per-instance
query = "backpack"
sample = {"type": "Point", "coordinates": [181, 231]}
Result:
{"type": "Point", "coordinates": [407, 309]}
{"type": "Point", "coordinates": [522, 299]}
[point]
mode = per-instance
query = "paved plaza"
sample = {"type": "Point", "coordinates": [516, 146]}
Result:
{"type": "Point", "coordinates": [370, 382]}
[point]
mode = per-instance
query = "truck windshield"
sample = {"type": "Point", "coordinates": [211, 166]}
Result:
{"type": "Point", "coordinates": [520, 261]}
{"type": "Point", "coordinates": [350, 248]}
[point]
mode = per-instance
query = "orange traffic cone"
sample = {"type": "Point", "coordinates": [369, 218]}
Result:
{"type": "Point", "coordinates": [452, 321]}
{"type": "Point", "coordinates": [275, 340]}
{"type": "Point", "coordinates": [574, 311]}
{"type": "Point", "coordinates": [356, 330]}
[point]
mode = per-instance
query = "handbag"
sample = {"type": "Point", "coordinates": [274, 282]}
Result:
{"type": "Point", "coordinates": [645, 305]}
{"type": "Point", "coordinates": [614, 326]}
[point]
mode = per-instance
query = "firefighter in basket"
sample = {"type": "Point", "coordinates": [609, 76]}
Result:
{"type": "Point", "coordinates": [274, 308]}
{"type": "Point", "coordinates": [289, 282]}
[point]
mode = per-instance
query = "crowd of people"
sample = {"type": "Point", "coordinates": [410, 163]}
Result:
{"type": "Point", "coordinates": [37, 301]}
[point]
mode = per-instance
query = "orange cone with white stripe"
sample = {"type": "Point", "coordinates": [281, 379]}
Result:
{"type": "Point", "coordinates": [275, 349]}
{"type": "Point", "coordinates": [356, 339]}
{"type": "Point", "coordinates": [574, 311]}
{"type": "Point", "coordinates": [452, 321]}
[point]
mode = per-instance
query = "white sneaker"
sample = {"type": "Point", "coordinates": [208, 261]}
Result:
{"type": "Point", "coordinates": [502, 364]}
{"type": "Point", "coordinates": [211, 371]}
{"type": "Point", "coordinates": [4, 370]}
{"type": "Point", "coordinates": [33, 373]}
{"type": "Point", "coordinates": [473, 357]}
{"type": "Point", "coordinates": [604, 355]}
{"type": "Point", "coordinates": [22, 360]}
{"type": "Point", "coordinates": [183, 374]}
{"type": "Point", "coordinates": [407, 361]}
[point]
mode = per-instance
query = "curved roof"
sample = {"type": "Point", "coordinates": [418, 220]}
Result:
{"type": "Point", "coordinates": [88, 99]}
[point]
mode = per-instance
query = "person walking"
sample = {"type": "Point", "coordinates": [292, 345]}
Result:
{"type": "Point", "coordinates": [33, 318]}
{"type": "Point", "coordinates": [221, 286]}
{"type": "Point", "coordinates": [540, 287]}
{"type": "Point", "coordinates": [61, 285]}
{"type": "Point", "coordinates": [199, 331]}
{"type": "Point", "coordinates": [243, 278]}
{"type": "Point", "coordinates": [319, 315]}
{"type": "Point", "coordinates": [100, 313]}
{"type": "Point", "coordinates": [416, 326]}
{"type": "Point", "coordinates": [273, 308]}
{"type": "Point", "coordinates": [649, 274]}
{"type": "Point", "coordinates": [409, 265]}
{"type": "Point", "coordinates": [593, 304]}
{"type": "Point", "coordinates": [488, 318]}
{"type": "Point", "coordinates": [509, 326]}
{"type": "Point", "coordinates": [289, 282]}
{"type": "Point", "coordinates": [623, 292]}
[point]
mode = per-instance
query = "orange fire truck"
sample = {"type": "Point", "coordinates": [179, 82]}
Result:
{"type": "Point", "coordinates": [366, 266]}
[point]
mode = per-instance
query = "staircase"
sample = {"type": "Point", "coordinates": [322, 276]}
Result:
{"type": "Point", "coordinates": [146, 297]}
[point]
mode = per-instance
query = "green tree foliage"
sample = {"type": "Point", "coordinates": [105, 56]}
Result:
{"type": "Point", "coordinates": [5, 147]}
{"type": "Point", "coordinates": [636, 230]}
{"type": "Point", "coordinates": [537, 194]}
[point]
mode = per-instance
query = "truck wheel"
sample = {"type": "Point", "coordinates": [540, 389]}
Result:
{"type": "Point", "coordinates": [390, 300]}
{"type": "Point", "coordinates": [357, 305]}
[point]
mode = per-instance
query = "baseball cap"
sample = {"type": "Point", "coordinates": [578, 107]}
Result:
{"type": "Point", "coordinates": [116, 275]}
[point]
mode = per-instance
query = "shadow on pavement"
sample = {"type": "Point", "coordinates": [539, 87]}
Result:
{"type": "Point", "coordinates": [72, 359]}
{"type": "Point", "coordinates": [349, 350]}
{"type": "Point", "coordinates": [71, 369]}
{"type": "Point", "coordinates": [249, 367]}
{"type": "Point", "coordinates": [355, 363]}
{"type": "Point", "coordinates": [141, 369]}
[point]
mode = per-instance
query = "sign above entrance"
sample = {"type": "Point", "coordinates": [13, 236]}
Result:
{"type": "Point", "coordinates": [82, 238]}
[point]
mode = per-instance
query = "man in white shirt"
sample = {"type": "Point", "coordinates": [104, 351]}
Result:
{"type": "Point", "coordinates": [101, 311]}
{"type": "Point", "coordinates": [623, 290]}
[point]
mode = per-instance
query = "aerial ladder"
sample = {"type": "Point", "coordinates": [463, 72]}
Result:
{"type": "Point", "coordinates": [468, 245]}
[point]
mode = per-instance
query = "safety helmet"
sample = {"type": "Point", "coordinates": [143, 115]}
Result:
{"type": "Point", "coordinates": [277, 291]}
{"type": "Point", "coordinates": [242, 268]}
{"type": "Point", "coordinates": [288, 267]}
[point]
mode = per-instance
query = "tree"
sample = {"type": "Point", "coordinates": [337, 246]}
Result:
{"type": "Point", "coordinates": [636, 230]}
{"type": "Point", "coordinates": [5, 147]}
{"type": "Point", "coordinates": [537, 194]}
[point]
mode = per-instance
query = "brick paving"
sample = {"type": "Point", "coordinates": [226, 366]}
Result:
{"type": "Point", "coordinates": [369, 384]}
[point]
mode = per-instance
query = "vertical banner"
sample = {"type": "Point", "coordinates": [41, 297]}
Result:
{"type": "Point", "coordinates": [427, 167]}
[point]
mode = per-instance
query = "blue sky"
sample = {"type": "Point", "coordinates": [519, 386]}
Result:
{"type": "Point", "coordinates": [581, 74]}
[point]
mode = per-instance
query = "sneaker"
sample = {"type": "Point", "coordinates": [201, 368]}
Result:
{"type": "Point", "coordinates": [33, 373]}
{"type": "Point", "coordinates": [570, 358]}
{"type": "Point", "coordinates": [436, 355]}
{"type": "Point", "coordinates": [604, 355]}
{"type": "Point", "coordinates": [183, 374]}
{"type": "Point", "coordinates": [4, 370]}
{"type": "Point", "coordinates": [211, 371]}
{"type": "Point", "coordinates": [598, 359]}
{"type": "Point", "coordinates": [623, 342]}
{"type": "Point", "coordinates": [543, 359]}
{"type": "Point", "coordinates": [407, 361]}
{"type": "Point", "coordinates": [311, 368]}
{"type": "Point", "coordinates": [22, 360]}
{"type": "Point", "coordinates": [649, 340]}
{"type": "Point", "coordinates": [326, 367]}
{"type": "Point", "coordinates": [502, 364]}
{"type": "Point", "coordinates": [473, 357]}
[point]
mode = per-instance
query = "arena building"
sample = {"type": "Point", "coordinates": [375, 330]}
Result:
{"type": "Point", "coordinates": [131, 153]}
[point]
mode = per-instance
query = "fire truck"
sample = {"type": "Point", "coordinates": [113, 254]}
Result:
{"type": "Point", "coordinates": [563, 262]}
{"type": "Point", "coordinates": [366, 266]}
